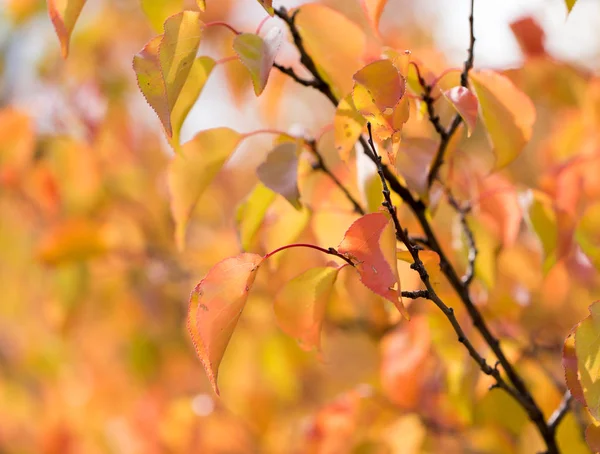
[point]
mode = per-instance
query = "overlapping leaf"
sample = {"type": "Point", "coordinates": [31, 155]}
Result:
{"type": "Point", "coordinates": [465, 103]}
{"type": "Point", "coordinates": [370, 243]}
{"type": "Point", "coordinates": [300, 305]}
{"type": "Point", "coordinates": [279, 172]}
{"type": "Point", "coordinates": [163, 66]}
{"type": "Point", "coordinates": [373, 10]}
{"type": "Point", "coordinates": [192, 170]}
{"type": "Point", "coordinates": [413, 161]}
{"type": "Point", "coordinates": [258, 54]}
{"type": "Point", "coordinates": [507, 113]}
{"type": "Point", "coordinates": [157, 11]}
{"type": "Point", "coordinates": [64, 14]}
{"type": "Point", "coordinates": [348, 125]}
{"type": "Point", "coordinates": [588, 359]}
{"type": "Point", "coordinates": [378, 95]}
{"type": "Point", "coordinates": [251, 212]}
{"type": "Point", "coordinates": [215, 307]}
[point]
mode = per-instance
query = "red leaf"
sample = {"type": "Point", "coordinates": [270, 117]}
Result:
{"type": "Point", "coordinates": [530, 36]}
{"type": "Point", "coordinates": [215, 308]}
{"type": "Point", "coordinates": [370, 243]}
{"type": "Point", "coordinates": [465, 103]}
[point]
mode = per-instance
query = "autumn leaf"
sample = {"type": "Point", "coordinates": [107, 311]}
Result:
{"type": "Point", "coordinates": [569, 363]}
{"type": "Point", "coordinates": [530, 36]}
{"type": "Point", "coordinates": [64, 14]}
{"type": "Point", "coordinates": [192, 170]}
{"type": "Point", "coordinates": [570, 4]}
{"type": "Point", "coordinates": [370, 243]}
{"type": "Point", "coordinates": [587, 233]}
{"type": "Point", "coordinates": [335, 43]}
{"type": "Point", "coordinates": [373, 10]}
{"type": "Point", "coordinates": [507, 113]}
{"type": "Point", "coordinates": [215, 307]}
{"type": "Point", "coordinates": [157, 11]}
{"type": "Point", "coordinates": [465, 103]}
{"type": "Point", "coordinates": [201, 4]}
{"type": "Point", "coordinates": [588, 359]}
{"type": "Point", "coordinates": [542, 218]}
{"type": "Point", "coordinates": [258, 54]}
{"type": "Point", "coordinates": [251, 212]}
{"type": "Point", "coordinates": [413, 161]}
{"type": "Point", "coordinates": [267, 5]}
{"type": "Point", "coordinates": [348, 125]}
{"type": "Point", "coordinates": [300, 305]}
{"type": "Point", "coordinates": [163, 66]}
{"type": "Point", "coordinates": [279, 172]}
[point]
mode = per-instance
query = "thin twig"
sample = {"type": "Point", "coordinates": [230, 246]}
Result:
{"type": "Point", "coordinates": [471, 245]}
{"type": "Point", "coordinates": [560, 412]}
{"type": "Point", "coordinates": [320, 165]}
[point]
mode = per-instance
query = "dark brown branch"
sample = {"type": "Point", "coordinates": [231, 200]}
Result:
{"type": "Point", "coordinates": [320, 165]}
{"type": "Point", "coordinates": [446, 134]}
{"type": "Point", "coordinates": [290, 72]}
{"type": "Point", "coordinates": [471, 246]}
{"type": "Point", "coordinates": [560, 412]}
{"type": "Point", "coordinates": [416, 294]}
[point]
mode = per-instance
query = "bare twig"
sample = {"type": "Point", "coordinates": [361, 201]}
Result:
{"type": "Point", "coordinates": [560, 412]}
{"type": "Point", "coordinates": [471, 246]}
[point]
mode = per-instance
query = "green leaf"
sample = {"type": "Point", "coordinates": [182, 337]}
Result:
{"type": "Point", "coordinates": [258, 54]}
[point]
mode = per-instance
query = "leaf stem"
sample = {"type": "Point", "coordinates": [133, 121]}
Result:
{"type": "Point", "coordinates": [330, 251]}
{"type": "Point", "coordinates": [219, 23]}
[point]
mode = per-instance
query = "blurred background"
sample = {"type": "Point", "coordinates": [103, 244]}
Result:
{"type": "Point", "coordinates": [94, 354]}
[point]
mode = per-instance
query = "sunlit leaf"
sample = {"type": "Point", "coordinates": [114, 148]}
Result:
{"type": "Point", "coordinates": [64, 14]}
{"type": "Point", "coordinates": [588, 359]}
{"type": "Point", "coordinates": [430, 260]}
{"type": "Point", "coordinates": [73, 240]}
{"type": "Point", "coordinates": [570, 4]}
{"type": "Point", "coordinates": [465, 103]}
{"type": "Point", "coordinates": [279, 172]}
{"type": "Point", "coordinates": [370, 243]}
{"type": "Point", "coordinates": [201, 4]}
{"type": "Point", "coordinates": [335, 43]}
{"type": "Point", "coordinates": [542, 218]}
{"type": "Point", "coordinates": [587, 234]}
{"type": "Point", "coordinates": [158, 11]}
{"type": "Point", "coordinates": [192, 170]}
{"type": "Point", "coordinates": [507, 112]}
{"type": "Point", "coordinates": [348, 125]}
{"type": "Point", "coordinates": [251, 212]}
{"type": "Point", "coordinates": [258, 55]}
{"type": "Point", "coordinates": [405, 353]}
{"type": "Point", "coordinates": [300, 305]}
{"type": "Point", "coordinates": [373, 10]}
{"type": "Point", "coordinates": [215, 308]}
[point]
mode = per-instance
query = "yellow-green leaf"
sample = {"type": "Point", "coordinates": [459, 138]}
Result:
{"type": "Point", "coordinates": [587, 234]}
{"type": "Point", "coordinates": [64, 14]}
{"type": "Point", "coordinates": [587, 348]}
{"type": "Point", "coordinates": [300, 305]}
{"type": "Point", "coordinates": [192, 170]}
{"type": "Point", "coordinates": [258, 54]}
{"type": "Point", "coordinates": [542, 218]}
{"type": "Point", "coordinates": [507, 112]}
{"type": "Point", "coordinates": [157, 11]}
{"type": "Point", "coordinates": [251, 212]}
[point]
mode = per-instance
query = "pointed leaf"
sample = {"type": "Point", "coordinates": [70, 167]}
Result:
{"type": "Point", "coordinates": [507, 112]}
{"type": "Point", "coordinates": [587, 234]}
{"type": "Point", "coordinates": [201, 4]}
{"type": "Point", "coordinates": [588, 359]}
{"type": "Point", "coordinates": [413, 161]}
{"type": "Point", "coordinates": [258, 54]}
{"type": "Point", "coordinates": [251, 212]}
{"type": "Point", "coordinates": [370, 243]}
{"type": "Point", "coordinates": [542, 217]}
{"type": "Point", "coordinates": [335, 43]}
{"type": "Point", "coordinates": [279, 172]}
{"type": "Point", "coordinates": [157, 11]}
{"type": "Point", "coordinates": [64, 14]}
{"type": "Point", "coordinates": [570, 4]}
{"type": "Point", "coordinates": [373, 10]}
{"type": "Point", "coordinates": [348, 125]}
{"type": "Point", "coordinates": [215, 307]}
{"type": "Point", "coordinates": [300, 305]}
{"type": "Point", "coordinates": [267, 5]}
{"type": "Point", "coordinates": [530, 36]}
{"type": "Point", "coordinates": [191, 171]}
{"type": "Point", "coordinates": [465, 103]}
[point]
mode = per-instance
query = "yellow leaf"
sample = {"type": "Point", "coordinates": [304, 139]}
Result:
{"type": "Point", "coordinates": [587, 233]}
{"type": "Point", "coordinates": [588, 359]}
{"type": "Point", "coordinates": [251, 212]}
{"type": "Point", "coordinates": [348, 124]}
{"type": "Point", "coordinates": [373, 10]}
{"type": "Point", "coordinates": [192, 170]}
{"type": "Point", "coordinates": [507, 112]}
{"type": "Point", "coordinates": [157, 11]}
{"type": "Point", "coordinates": [64, 14]}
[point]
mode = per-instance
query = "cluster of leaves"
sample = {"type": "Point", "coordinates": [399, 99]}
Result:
{"type": "Point", "coordinates": [505, 195]}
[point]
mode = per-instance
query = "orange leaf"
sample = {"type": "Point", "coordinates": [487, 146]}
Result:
{"type": "Point", "coordinates": [370, 243]}
{"type": "Point", "coordinates": [72, 241]}
{"type": "Point", "coordinates": [279, 172]}
{"type": "Point", "coordinates": [465, 103]}
{"type": "Point", "coordinates": [258, 54]}
{"type": "Point", "coordinates": [201, 4]}
{"type": "Point", "coordinates": [267, 5]}
{"type": "Point", "coordinates": [569, 363]}
{"type": "Point", "coordinates": [300, 305]}
{"type": "Point", "coordinates": [64, 14]}
{"type": "Point", "coordinates": [348, 124]}
{"type": "Point", "coordinates": [373, 10]}
{"type": "Point", "coordinates": [215, 307]}
{"type": "Point", "coordinates": [507, 112]}
{"type": "Point", "coordinates": [335, 43]}
{"type": "Point", "coordinates": [413, 161]}
{"type": "Point", "coordinates": [530, 36]}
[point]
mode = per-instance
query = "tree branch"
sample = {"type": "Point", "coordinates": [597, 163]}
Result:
{"type": "Point", "coordinates": [560, 412]}
{"type": "Point", "coordinates": [472, 247]}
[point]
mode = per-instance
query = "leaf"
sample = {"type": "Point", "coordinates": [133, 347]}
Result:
{"type": "Point", "coordinates": [267, 5]}
{"type": "Point", "coordinates": [251, 212]}
{"type": "Point", "coordinates": [587, 234]}
{"type": "Point", "coordinates": [530, 36]}
{"type": "Point", "coordinates": [569, 363]}
{"type": "Point", "coordinates": [157, 11]}
{"type": "Point", "coordinates": [348, 125]}
{"type": "Point", "coordinates": [543, 221]}
{"type": "Point", "coordinates": [373, 10]}
{"type": "Point", "coordinates": [570, 4]}
{"type": "Point", "coordinates": [72, 241]}
{"type": "Point", "coordinates": [279, 172]}
{"type": "Point", "coordinates": [258, 54]}
{"type": "Point", "coordinates": [162, 68]}
{"type": "Point", "coordinates": [300, 305]}
{"type": "Point", "coordinates": [588, 358]}
{"type": "Point", "coordinates": [201, 4]}
{"type": "Point", "coordinates": [431, 262]}
{"type": "Point", "coordinates": [507, 112]}
{"type": "Point", "coordinates": [465, 103]}
{"type": "Point", "coordinates": [215, 307]}
{"type": "Point", "coordinates": [64, 14]}
{"type": "Point", "coordinates": [335, 43]}
{"type": "Point", "coordinates": [413, 161]}
{"type": "Point", "coordinates": [370, 243]}
{"type": "Point", "coordinates": [192, 170]}
{"type": "Point", "coordinates": [378, 96]}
